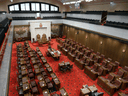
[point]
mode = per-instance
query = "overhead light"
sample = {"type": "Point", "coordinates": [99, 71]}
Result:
{"type": "Point", "coordinates": [67, 3]}
{"type": "Point", "coordinates": [112, 3]}
{"type": "Point", "coordinates": [72, 2]}
{"type": "Point", "coordinates": [11, 0]}
{"type": "Point", "coordinates": [88, 0]}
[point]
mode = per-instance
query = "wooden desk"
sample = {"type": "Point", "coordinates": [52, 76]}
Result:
{"type": "Point", "coordinates": [24, 72]}
{"type": "Point", "coordinates": [40, 77]}
{"type": "Point", "coordinates": [37, 71]}
{"type": "Point", "coordinates": [67, 63]}
{"type": "Point", "coordinates": [26, 87]}
{"type": "Point", "coordinates": [23, 67]}
{"type": "Point", "coordinates": [23, 62]}
{"type": "Point", "coordinates": [21, 59]}
{"type": "Point", "coordinates": [50, 86]}
{"type": "Point", "coordinates": [28, 94]}
{"type": "Point", "coordinates": [61, 65]}
{"type": "Point", "coordinates": [25, 80]}
{"type": "Point", "coordinates": [47, 65]}
{"type": "Point", "coordinates": [46, 92]}
{"type": "Point", "coordinates": [56, 82]}
{"type": "Point", "coordinates": [36, 67]}
{"type": "Point", "coordinates": [43, 85]}
{"type": "Point", "coordinates": [53, 75]}
{"type": "Point", "coordinates": [34, 62]}
{"type": "Point", "coordinates": [40, 54]}
{"type": "Point", "coordinates": [54, 53]}
{"type": "Point", "coordinates": [92, 88]}
{"type": "Point", "coordinates": [63, 92]}
{"type": "Point", "coordinates": [84, 91]}
{"type": "Point", "coordinates": [49, 69]}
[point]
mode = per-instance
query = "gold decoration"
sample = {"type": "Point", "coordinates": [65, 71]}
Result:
{"type": "Point", "coordinates": [40, 25]}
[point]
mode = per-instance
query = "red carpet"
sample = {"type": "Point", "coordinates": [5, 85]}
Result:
{"type": "Point", "coordinates": [71, 81]}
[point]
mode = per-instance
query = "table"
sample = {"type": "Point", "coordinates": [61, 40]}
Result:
{"type": "Point", "coordinates": [67, 63]}
{"type": "Point", "coordinates": [54, 53]}
{"type": "Point", "coordinates": [63, 65]}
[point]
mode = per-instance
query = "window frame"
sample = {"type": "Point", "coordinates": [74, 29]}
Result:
{"type": "Point", "coordinates": [30, 9]}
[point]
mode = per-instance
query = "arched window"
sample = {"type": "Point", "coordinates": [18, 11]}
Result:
{"type": "Point", "coordinates": [32, 7]}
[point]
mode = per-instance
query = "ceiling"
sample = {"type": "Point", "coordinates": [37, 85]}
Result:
{"type": "Point", "coordinates": [63, 1]}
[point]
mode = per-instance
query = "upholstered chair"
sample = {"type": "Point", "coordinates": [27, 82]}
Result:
{"type": "Point", "coordinates": [92, 50]}
{"type": "Point", "coordinates": [72, 56]}
{"type": "Point", "coordinates": [87, 69]}
{"type": "Point", "coordinates": [102, 81]}
{"type": "Point", "coordinates": [124, 82]}
{"type": "Point", "coordinates": [98, 53]}
{"type": "Point", "coordinates": [87, 48]}
{"type": "Point", "coordinates": [37, 37]}
{"type": "Point", "coordinates": [103, 56]}
{"type": "Point", "coordinates": [122, 94]}
{"type": "Point", "coordinates": [109, 59]}
{"type": "Point", "coordinates": [119, 74]}
{"type": "Point", "coordinates": [70, 53]}
{"type": "Point", "coordinates": [87, 53]}
{"type": "Point", "coordinates": [125, 68]}
{"type": "Point", "coordinates": [78, 57]}
{"type": "Point", "coordinates": [104, 63]}
{"type": "Point", "coordinates": [116, 64]}
{"type": "Point", "coordinates": [81, 62]}
{"type": "Point", "coordinates": [113, 86]}
{"type": "Point", "coordinates": [95, 73]}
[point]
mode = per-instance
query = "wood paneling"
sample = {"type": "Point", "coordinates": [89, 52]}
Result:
{"type": "Point", "coordinates": [81, 37]}
{"type": "Point", "coordinates": [109, 47]}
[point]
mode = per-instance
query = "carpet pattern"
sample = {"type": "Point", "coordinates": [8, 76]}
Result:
{"type": "Point", "coordinates": [71, 81]}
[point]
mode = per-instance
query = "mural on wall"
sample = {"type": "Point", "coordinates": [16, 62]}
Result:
{"type": "Point", "coordinates": [21, 31]}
